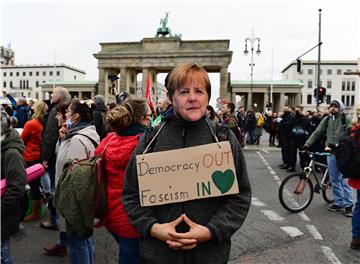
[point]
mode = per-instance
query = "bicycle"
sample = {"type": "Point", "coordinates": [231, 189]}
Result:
{"type": "Point", "coordinates": [297, 190]}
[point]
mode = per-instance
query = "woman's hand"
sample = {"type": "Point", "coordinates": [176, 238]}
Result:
{"type": "Point", "coordinates": [62, 131]}
{"type": "Point", "coordinates": [163, 231]}
{"type": "Point", "coordinates": [197, 233]}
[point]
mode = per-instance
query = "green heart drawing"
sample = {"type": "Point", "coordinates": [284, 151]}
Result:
{"type": "Point", "coordinates": [223, 180]}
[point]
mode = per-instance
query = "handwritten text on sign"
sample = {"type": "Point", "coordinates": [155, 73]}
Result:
{"type": "Point", "coordinates": [186, 174]}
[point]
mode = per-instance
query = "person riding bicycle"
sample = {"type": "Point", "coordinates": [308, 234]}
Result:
{"type": "Point", "coordinates": [335, 126]}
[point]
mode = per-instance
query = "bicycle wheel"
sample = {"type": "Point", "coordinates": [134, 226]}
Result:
{"type": "Point", "coordinates": [327, 191]}
{"type": "Point", "coordinates": [296, 192]}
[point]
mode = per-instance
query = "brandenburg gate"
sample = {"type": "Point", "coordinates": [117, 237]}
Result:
{"type": "Point", "coordinates": [119, 63]}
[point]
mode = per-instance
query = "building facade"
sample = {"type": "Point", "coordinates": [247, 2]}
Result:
{"type": "Point", "coordinates": [278, 92]}
{"type": "Point", "coordinates": [26, 80]}
{"type": "Point", "coordinates": [333, 77]}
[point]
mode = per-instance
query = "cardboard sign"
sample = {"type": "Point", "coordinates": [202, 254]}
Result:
{"type": "Point", "coordinates": [186, 174]}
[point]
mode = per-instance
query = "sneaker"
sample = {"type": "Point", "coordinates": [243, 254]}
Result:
{"type": "Point", "coordinates": [335, 208]}
{"type": "Point", "coordinates": [348, 211]}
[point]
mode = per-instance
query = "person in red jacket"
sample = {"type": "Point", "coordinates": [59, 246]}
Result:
{"type": "Point", "coordinates": [128, 122]}
{"type": "Point", "coordinates": [355, 183]}
{"type": "Point", "coordinates": [31, 136]}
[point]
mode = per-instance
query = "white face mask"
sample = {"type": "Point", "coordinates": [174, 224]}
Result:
{"type": "Point", "coordinates": [69, 123]}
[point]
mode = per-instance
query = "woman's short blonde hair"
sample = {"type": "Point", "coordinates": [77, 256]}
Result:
{"type": "Point", "coordinates": [40, 109]}
{"type": "Point", "coordinates": [131, 111]}
{"type": "Point", "coordinates": [180, 75]}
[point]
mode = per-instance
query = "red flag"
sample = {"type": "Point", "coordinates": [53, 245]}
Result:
{"type": "Point", "coordinates": [148, 93]}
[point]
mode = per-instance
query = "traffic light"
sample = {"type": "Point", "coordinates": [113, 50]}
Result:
{"type": "Point", "coordinates": [298, 65]}
{"type": "Point", "coordinates": [322, 94]}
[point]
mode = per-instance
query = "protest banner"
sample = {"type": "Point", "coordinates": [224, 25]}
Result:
{"type": "Point", "coordinates": [186, 174]}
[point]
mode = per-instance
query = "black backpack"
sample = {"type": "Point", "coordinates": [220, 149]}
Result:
{"type": "Point", "coordinates": [348, 155]}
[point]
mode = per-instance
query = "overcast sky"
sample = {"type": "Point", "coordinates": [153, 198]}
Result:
{"type": "Point", "coordinates": [73, 29]}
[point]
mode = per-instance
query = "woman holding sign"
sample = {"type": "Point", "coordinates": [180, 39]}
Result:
{"type": "Point", "coordinates": [191, 225]}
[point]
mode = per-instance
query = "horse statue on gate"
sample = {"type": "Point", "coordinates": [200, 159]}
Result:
{"type": "Point", "coordinates": [163, 30]}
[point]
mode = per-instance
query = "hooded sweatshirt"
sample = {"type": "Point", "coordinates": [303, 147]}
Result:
{"type": "Point", "coordinates": [13, 170]}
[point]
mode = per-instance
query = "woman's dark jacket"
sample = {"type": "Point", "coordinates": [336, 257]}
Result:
{"type": "Point", "coordinates": [13, 169]}
{"type": "Point", "coordinates": [223, 215]}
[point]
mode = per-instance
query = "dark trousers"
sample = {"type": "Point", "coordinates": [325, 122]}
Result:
{"type": "Point", "coordinates": [292, 152]}
{"type": "Point", "coordinates": [272, 137]}
{"type": "Point", "coordinates": [284, 146]}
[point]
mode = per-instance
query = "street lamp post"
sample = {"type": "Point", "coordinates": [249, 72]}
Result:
{"type": "Point", "coordinates": [252, 42]}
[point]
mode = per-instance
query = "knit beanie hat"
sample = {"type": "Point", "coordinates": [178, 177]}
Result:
{"type": "Point", "coordinates": [338, 103]}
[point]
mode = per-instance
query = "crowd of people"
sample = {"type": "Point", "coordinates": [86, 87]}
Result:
{"type": "Point", "coordinates": [64, 129]}
{"type": "Point", "coordinates": [196, 231]}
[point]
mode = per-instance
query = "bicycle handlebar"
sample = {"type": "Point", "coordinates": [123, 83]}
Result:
{"type": "Point", "coordinates": [324, 154]}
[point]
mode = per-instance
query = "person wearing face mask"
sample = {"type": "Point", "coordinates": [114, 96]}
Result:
{"type": "Point", "coordinates": [335, 126]}
{"type": "Point", "coordinates": [78, 141]}
{"type": "Point", "coordinates": [196, 231]}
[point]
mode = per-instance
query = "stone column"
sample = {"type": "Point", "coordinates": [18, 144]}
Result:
{"type": "Point", "coordinates": [248, 101]}
{"type": "Point", "coordinates": [106, 85]}
{"type": "Point", "coordinates": [144, 79]}
{"type": "Point", "coordinates": [123, 80]}
{"type": "Point", "coordinates": [233, 98]}
{"type": "Point", "coordinates": [153, 84]}
{"type": "Point", "coordinates": [131, 81]}
{"type": "Point", "coordinates": [297, 99]}
{"type": "Point", "coordinates": [282, 101]}
{"type": "Point", "coordinates": [224, 83]}
{"type": "Point", "coordinates": [101, 83]}
{"type": "Point", "coordinates": [80, 95]}
{"type": "Point", "coordinates": [266, 99]}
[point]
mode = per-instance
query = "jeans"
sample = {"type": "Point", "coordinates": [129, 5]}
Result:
{"type": "Point", "coordinates": [81, 250]}
{"type": "Point", "coordinates": [251, 136]}
{"type": "Point", "coordinates": [356, 217]}
{"type": "Point", "coordinates": [5, 252]}
{"type": "Point", "coordinates": [128, 249]}
{"type": "Point", "coordinates": [45, 182]}
{"type": "Point", "coordinates": [51, 170]}
{"type": "Point", "coordinates": [341, 189]}
{"type": "Point", "coordinates": [62, 239]}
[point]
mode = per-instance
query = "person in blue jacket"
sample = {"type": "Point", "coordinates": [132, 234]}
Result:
{"type": "Point", "coordinates": [22, 110]}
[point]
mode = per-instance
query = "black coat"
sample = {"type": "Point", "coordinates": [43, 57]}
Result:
{"type": "Point", "coordinates": [13, 170]}
{"type": "Point", "coordinates": [50, 135]}
{"type": "Point", "coordinates": [223, 214]}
